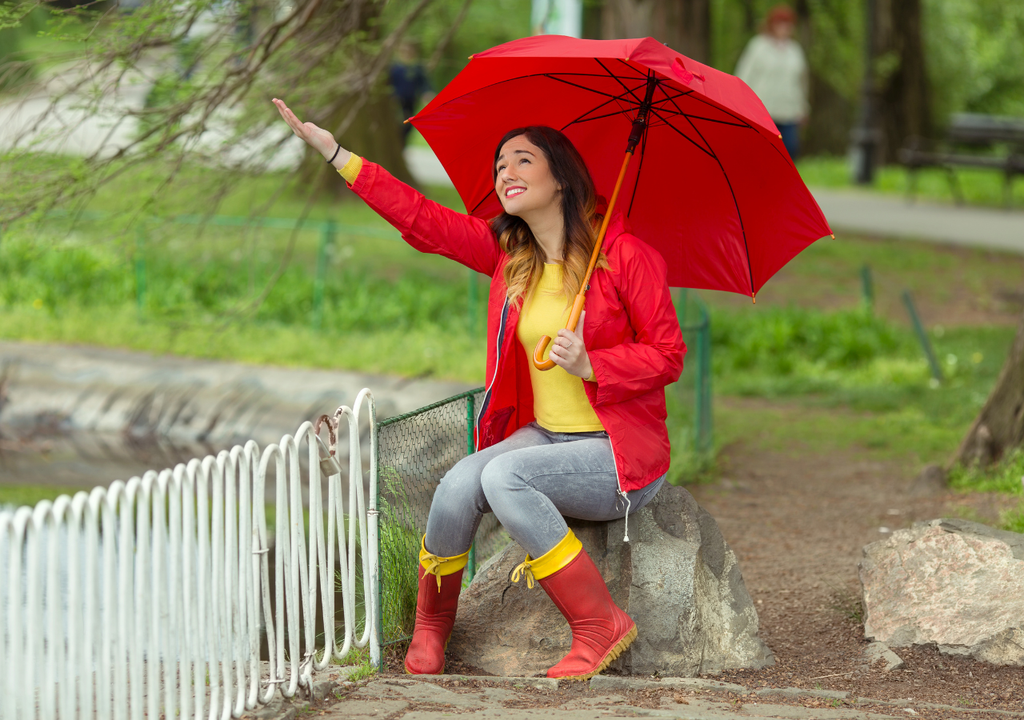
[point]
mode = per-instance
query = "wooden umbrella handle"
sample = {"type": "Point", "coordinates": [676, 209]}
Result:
{"type": "Point", "coordinates": [577, 306]}
{"type": "Point", "coordinates": [574, 318]}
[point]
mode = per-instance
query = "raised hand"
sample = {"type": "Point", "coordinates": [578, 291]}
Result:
{"type": "Point", "coordinates": [317, 138]}
{"type": "Point", "coordinates": [570, 353]}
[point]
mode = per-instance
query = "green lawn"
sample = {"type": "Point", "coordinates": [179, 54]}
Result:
{"type": "Point", "coordinates": [842, 375]}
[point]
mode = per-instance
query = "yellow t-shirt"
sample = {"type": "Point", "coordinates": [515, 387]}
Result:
{"type": "Point", "coordinates": [559, 402]}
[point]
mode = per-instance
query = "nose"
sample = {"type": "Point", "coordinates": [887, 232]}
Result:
{"type": "Point", "coordinates": [507, 175]}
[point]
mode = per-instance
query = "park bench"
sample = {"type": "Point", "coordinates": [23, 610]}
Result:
{"type": "Point", "coordinates": [997, 143]}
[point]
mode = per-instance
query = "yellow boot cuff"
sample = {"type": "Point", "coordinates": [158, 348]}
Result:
{"type": "Point", "coordinates": [550, 562]}
{"type": "Point", "coordinates": [440, 566]}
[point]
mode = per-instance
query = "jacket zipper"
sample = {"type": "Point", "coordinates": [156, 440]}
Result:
{"type": "Point", "coordinates": [487, 397]}
{"type": "Point", "coordinates": [618, 482]}
{"type": "Point", "coordinates": [490, 386]}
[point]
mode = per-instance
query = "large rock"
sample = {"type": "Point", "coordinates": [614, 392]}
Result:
{"type": "Point", "coordinates": [953, 583]}
{"type": "Point", "coordinates": [677, 579]}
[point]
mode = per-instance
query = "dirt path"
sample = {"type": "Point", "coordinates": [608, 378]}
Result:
{"type": "Point", "coordinates": [797, 524]}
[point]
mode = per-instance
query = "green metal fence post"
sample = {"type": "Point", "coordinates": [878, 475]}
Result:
{"type": "Point", "coordinates": [327, 231]}
{"type": "Point", "coordinates": [922, 336]}
{"type": "Point", "coordinates": [473, 298]}
{"type": "Point", "coordinates": [470, 449]}
{"type": "Point", "coordinates": [140, 268]}
{"type": "Point", "coordinates": [867, 286]}
{"type": "Point", "coordinates": [705, 436]}
{"type": "Point", "coordinates": [681, 296]}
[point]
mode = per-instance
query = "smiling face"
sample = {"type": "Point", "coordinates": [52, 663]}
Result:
{"type": "Point", "coordinates": [523, 179]}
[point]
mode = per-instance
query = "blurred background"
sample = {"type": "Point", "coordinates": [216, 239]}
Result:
{"type": "Point", "coordinates": [151, 200]}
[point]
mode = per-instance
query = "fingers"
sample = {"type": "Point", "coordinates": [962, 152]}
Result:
{"type": "Point", "coordinates": [566, 350]}
{"type": "Point", "coordinates": [289, 117]}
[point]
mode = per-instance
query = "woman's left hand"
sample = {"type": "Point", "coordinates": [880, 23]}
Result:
{"type": "Point", "coordinates": [570, 353]}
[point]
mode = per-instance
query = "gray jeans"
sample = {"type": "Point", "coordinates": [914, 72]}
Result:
{"type": "Point", "coordinates": [529, 481]}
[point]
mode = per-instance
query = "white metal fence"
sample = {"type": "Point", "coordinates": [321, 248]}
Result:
{"type": "Point", "coordinates": [149, 597]}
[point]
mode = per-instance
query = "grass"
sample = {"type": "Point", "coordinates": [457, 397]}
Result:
{"type": "Point", "coordinates": [195, 290]}
{"type": "Point", "coordinates": [980, 187]}
{"type": "Point", "coordinates": [30, 495]}
{"type": "Point", "coordinates": [1006, 476]}
{"type": "Point", "coordinates": [843, 374]}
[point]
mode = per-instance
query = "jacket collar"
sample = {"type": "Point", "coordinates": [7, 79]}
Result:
{"type": "Point", "coordinates": [616, 226]}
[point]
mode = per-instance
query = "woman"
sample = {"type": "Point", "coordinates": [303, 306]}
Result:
{"type": "Point", "coordinates": [774, 67]}
{"type": "Point", "coordinates": [586, 439]}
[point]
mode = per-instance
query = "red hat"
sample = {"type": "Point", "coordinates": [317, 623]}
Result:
{"type": "Point", "coordinates": [780, 13]}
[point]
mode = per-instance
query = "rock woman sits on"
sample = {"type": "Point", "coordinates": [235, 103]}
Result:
{"type": "Point", "coordinates": [586, 439]}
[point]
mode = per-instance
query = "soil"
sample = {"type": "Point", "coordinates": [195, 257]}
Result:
{"type": "Point", "coordinates": [797, 524]}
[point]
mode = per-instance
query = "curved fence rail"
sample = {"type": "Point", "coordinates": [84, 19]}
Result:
{"type": "Point", "coordinates": [157, 596]}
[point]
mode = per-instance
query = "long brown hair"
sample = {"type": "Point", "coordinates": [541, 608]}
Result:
{"type": "Point", "coordinates": [579, 205]}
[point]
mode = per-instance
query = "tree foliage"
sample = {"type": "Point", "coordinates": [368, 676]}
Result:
{"type": "Point", "coordinates": [211, 68]}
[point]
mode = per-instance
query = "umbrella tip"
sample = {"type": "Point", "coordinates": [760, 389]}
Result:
{"type": "Point", "coordinates": [470, 57]}
{"type": "Point", "coordinates": [406, 122]}
{"type": "Point", "coordinates": [753, 298]}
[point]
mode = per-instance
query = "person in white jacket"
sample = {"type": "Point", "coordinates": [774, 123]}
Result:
{"type": "Point", "coordinates": [774, 66]}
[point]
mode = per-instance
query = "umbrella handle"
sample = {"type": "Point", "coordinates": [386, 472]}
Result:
{"type": "Point", "coordinates": [574, 318]}
{"type": "Point", "coordinates": [577, 307]}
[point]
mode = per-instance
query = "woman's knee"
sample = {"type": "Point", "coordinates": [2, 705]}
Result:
{"type": "Point", "coordinates": [460, 483]}
{"type": "Point", "coordinates": [500, 476]}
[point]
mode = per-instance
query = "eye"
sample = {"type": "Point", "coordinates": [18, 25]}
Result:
{"type": "Point", "coordinates": [500, 168]}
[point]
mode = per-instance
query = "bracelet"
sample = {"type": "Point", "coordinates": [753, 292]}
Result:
{"type": "Point", "coordinates": [335, 154]}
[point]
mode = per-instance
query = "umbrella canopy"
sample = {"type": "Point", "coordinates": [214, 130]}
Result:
{"type": "Point", "coordinates": [711, 186]}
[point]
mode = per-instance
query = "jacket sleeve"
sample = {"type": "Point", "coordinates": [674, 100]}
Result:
{"type": "Point", "coordinates": [426, 225]}
{"type": "Point", "coordinates": [655, 358]}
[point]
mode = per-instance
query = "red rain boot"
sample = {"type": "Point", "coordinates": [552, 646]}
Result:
{"type": "Point", "coordinates": [440, 582]}
{"type": "Point", "coordinates": [600, 630]}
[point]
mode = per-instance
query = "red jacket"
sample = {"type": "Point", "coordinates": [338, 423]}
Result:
{"type": "Point", "coordinates": [631, 332]}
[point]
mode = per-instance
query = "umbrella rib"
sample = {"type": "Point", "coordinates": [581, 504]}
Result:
{"type": "Point", "coordinates": [482, 201]}
{"type": "Point", "coordinates": [744, 124]}
{"type": "Point", "coordinates": [671, 98]}
{"type": "Point", "coordinates": [688, 116]}
{"type": "Point", "coordinates": [581, 87]}
{"type": "Point", "coordinates": [643, 154]}
{"type": "Point", "coordinates": [617, 79]}
{"type": "Point", "coordinates": [597, 107]}
{"type": "Point", "coordinates": [686, 137]}
{"type": "Point", "coordinates": [581, 119]}
{"type": "Point", "coordinates": [739, 118]}
{"type": "Point", "coordinates": [735, 202]}
{"type": "Point", "coordinates": [636, 70]}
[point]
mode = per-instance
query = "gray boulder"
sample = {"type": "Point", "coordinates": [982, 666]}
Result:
{"type": "Point", "coordinates": [677, 579]}
{"type": "Point", "coordinates": [953, 583]}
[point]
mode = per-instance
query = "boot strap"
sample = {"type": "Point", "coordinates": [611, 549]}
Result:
{"type": "Point", "coordinates": [439, 566]}
{"type": "Point", "coordinates": [550, 562]}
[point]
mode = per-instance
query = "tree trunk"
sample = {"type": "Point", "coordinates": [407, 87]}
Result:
{"type": "Point", "coordinates": [832, 114]}
{"type": "Point", "coordinates": [999, 426]}
{"type": "Point", "coordinates": [376, 131]}
{"type": "Point", "coordinates": [684, 25]}
{"type": "Point", "coordinates": [904, 105]}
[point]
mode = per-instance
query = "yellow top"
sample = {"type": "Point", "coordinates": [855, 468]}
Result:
{"type": "Point", "coordinates": [350, 171]}
{"type": "Point", "coordinates": [559, 402]}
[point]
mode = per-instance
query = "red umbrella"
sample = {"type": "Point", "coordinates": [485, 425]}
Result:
{"type": "Point", "coordinates": [712, 187]}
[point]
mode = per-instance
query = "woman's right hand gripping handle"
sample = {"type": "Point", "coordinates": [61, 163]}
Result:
{"type": "Point", "coordinates": [317, 138]}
